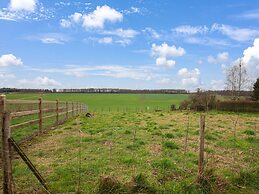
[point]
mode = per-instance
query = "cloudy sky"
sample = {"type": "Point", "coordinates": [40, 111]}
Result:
{"type": "Point", "coordinates": [126, 44]}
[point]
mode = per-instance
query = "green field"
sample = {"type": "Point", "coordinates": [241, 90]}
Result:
{"type": "Point", "coordinates": [143, 152]}
{"type": "Point", "coordinates": [133, 149]}
{"type": "Point", "coordinates": [113, 102]}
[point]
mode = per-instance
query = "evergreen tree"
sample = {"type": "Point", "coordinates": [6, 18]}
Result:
{"type": "Point", "coordinates": [256, 90]}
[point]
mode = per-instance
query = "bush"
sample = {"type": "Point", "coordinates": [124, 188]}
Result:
{"type": "Point", "coordinates": [200, 101]}
{"type": "Point", "coordinates": [238, 106]}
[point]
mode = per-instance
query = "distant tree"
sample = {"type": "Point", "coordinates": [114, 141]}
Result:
{"type": "Point", "coordinates": [236, 79]}
{"type": "Point", "coordinates": [256, 90]}
{"type": "Point", "coordinates": [199, 101]}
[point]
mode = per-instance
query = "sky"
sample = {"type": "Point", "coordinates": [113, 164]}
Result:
{"type": "Point", "coordinates": [136, 44]}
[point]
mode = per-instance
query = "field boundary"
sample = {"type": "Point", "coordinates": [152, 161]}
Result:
{"type": "Point", "coordinates": [26, 108]}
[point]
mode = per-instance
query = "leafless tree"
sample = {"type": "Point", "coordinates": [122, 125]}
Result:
{"type": "Point", "coordinates": [236, 79]}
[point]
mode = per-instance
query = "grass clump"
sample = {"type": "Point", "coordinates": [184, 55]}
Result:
{"type": "Point", "coordinates": [169, 135]}
{"type": "Point", "coordinates": [110, 185]}
{"type": "Point", "coordinates": [170, 145]}
{"type": "Point", "coordinates": [249, 132]}
{"type": "Point", "coordinates": [162, 164]}
{"type": "Point", "coordinates": [140, 184]}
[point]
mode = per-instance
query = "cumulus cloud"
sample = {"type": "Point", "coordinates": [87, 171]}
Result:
{"type": "Point", "coordinates": [191, 30]}
{"type": "Point", "coordinates": [162, 61]}
{"type": "Point", "coordinates": [189, 78]}
{"type": "Point", "coordinates": [163, 52]}
{"type": "Point", "coordinates": [26, 5]}
{"type": "Point", "coordinates": [65, 23]}
{"type": "Point", "coordinates": [235, 33]}
{"type": "Point", "coordinates": [251, 59]}
{"type": "Point", "coordinates": [220, 58]}
{"type": "Point", "coordinates": [9, 60]}
{"type": "Point", "coordinates": [39, 82]}
{"type": "Point", "coordinates": [98, 17]}
{"type": "Point", "coordinates": [95, 19]}
{"type": "Point", "coordinates": [167, 51]}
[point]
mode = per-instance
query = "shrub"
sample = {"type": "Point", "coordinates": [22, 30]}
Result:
{"type": "Point", "coordinates": [199, 101]}
{"type": "Point", "coordinates": [238, 106]}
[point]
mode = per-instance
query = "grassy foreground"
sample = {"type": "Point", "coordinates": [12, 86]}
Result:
{"type": "Point", "coordinates": [134, 152]}
{"type": "Point", "coordinates": [111, 102]}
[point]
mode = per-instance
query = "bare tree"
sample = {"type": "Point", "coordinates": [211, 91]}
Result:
{"type": "Point", "coordinates": [236, 79]}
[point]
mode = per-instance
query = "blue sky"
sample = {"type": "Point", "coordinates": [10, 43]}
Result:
{"type": "Point", "coordinates": [126, 44]}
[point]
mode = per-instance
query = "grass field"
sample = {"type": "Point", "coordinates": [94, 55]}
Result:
{"type": "Point", "coordinates": [112, 102]}
{"type": "Point", "coordinates": [135, 152]}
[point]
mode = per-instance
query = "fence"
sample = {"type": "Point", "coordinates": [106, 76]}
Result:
{"type": "Point", "coordinates": [34, 115]}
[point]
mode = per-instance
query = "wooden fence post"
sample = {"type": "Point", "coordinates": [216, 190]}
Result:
{"type": "Point", "coordinates": [6, 153]}
{"type": "Point", "coordinates": [66, 110]}
{"type": "Point", "coordinates": [201, 148]}
{"type": "Point", "coordinates": [40, 115]}
{"type": "Point", "coordinates": [57, 111]}
{"type": "Point", "coordinates": [2, 105]}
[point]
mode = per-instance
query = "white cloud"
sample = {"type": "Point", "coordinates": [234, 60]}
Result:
{"type": "Point", "coordinates": [117, 71]}
{"type": "Point", "coordinates": [132, 10]}
{"type": "Point", "coordinates": [53, 38]}
{"type": "Point", "coordinates": [105, 40]}
{"type": "Point", "coordinates": [93, 20]}
{"type": "Point", "coordinates": [191, 30]}
{"type": "Point", "coordinates": [121, 36]}
{"type": "Point", "coordinates": [189, 78]}
{"type": "Point", "coordinates": [150, 32]}
{"type": "Point", "coordinates": [26, 10]}
{"type": "Point", "coordinates": [5, 76]}
{"type": "Point", "coordinates": [162, 61]}
{"type": "Point", "coordinates": [25, 5]}
{"type": "Point", "coordinates": [235, 33]}
{"type": "Point", "coordinates": [220, 58]}
{"type": "Point", "coordinates": [49, 38]}
{"type": "Point", "coordinates": [65, 23]}
{"type": "Point", "coordinates": [100, 16]}
{"type": "Point", "coordinates": [39, 82]}
{"type": "Point", "coordinates": [167, 51]}
{"type": "Point", "coordinates": [163, 52]}
{"type": "Point", "coordinates": [123, 33]}
{"type": "Point", "coordinates": [217, 84]}
{"type": "Point", "coordinates": [251, 59]}
{"type": "Point", "coordinates": [76, 17]}
{"type": "Point", "coordinates": [165, 81]}
{"type": "Point", "coordinates": [9, 60]}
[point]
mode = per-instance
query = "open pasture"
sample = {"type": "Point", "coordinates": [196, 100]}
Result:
{"type": "Point", "coordinates": [144, 152]}
{"type": "Point", "coordinates": [111, 102]}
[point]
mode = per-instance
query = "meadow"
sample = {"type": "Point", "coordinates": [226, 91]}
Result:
{"type": "Point", "coordinates": [111, 102]}
{"type": "Point", "coordinates": [132, 149]}
{"type": "Point", "coordinates": [144, 152]}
